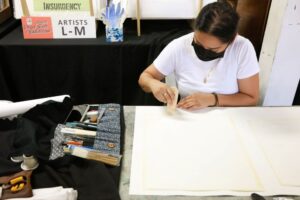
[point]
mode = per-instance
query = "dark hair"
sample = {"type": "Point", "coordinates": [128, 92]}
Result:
{"type": "Point", "coordinates": [218, 19]}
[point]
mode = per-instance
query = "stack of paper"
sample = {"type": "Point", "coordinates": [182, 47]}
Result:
{"type": "Point", "coordinates": [228, 151]}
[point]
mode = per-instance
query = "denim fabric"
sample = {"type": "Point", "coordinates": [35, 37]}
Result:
{"type": "Point", "coordinates": [109, 129]}
{"type": "Point", "coordinates": [108, 135]}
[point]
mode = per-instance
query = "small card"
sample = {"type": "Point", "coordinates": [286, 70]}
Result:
{"type": "Point", "coordinates": [37, 27]}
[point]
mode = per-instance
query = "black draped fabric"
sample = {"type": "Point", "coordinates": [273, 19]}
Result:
{"type": "Point", "coordinates": [36, 128]}
{"type": "Point", "coordinates": [92, 180]}
{"type": "Point", "coordinates": [90, 70]}
{"type": "Point", "coordinates": [7, 135]}
{"type": "Point", "coordinates": [31, 134]}
{"type": "Point", "coordinates": [297, 96]}
{"type": "Point", "coordinates": [7, 26]}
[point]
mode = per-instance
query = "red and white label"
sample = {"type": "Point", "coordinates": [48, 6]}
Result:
{"type": "Point", "coordinates": [37, 27]}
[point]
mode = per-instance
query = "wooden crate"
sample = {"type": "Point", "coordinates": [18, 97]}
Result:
{"type": "Point", "coordinates": [6, 12]}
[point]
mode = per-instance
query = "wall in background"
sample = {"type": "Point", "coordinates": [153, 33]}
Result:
{"type": "Point", "coordinates": [280, 55]}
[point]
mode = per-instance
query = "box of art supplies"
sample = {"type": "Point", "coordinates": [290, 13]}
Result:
{"type": "Point", "coordinates": [96, 136]}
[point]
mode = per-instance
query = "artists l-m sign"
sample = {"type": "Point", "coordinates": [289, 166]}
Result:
{"type": "Point", "coordinates": [72, 27]}
{"type": "Point", "coordinates": [59, 27]}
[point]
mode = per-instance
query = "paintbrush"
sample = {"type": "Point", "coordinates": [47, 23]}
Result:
{"type": "Point", "coordinates": [92, 154]}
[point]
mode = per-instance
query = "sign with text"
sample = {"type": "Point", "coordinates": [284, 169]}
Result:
{"type": "Point", "coordinates": [61, 5]}
{"type": "Point", "coordinates": [74, 27]}
{"type": "Point", "coordinates": [59, 27]}
{"type": "Point", "coordinates": [55, 7]}
{"type": "Point", "coordinates": [37, 27]}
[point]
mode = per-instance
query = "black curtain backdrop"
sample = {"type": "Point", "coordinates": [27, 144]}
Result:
{"type": "Point", "coordinates": [90, 70]}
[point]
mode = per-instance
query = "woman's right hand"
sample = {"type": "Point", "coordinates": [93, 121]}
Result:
{"type": "Point", "coordinates": [150, 81]}
{"type": "Point", "coordinates": [162, 92]}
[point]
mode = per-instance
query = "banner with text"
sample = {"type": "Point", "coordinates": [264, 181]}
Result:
{"type": "Point", "coordinates": [61, 5]}
{"type": "Point", "coordinates": [47, 8]}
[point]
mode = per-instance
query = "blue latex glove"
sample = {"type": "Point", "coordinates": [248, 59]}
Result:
{"type": "Point", "coordinates": [113, 16]}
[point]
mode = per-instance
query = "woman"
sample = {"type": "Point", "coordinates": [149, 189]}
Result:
{"type": "Point", "coordinates": [213, 66]}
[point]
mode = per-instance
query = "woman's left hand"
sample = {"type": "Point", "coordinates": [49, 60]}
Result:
{"type": "Point", "coordinates": [197, 101]}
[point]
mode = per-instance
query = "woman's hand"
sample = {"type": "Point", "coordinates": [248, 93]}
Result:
{"type": "Point", "coordinates": [197, 101]}
{"type": "Point", "coordinates": [162, 92]}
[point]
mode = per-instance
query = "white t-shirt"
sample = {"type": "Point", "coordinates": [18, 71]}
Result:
{"type": "Point", "coordinates": [179, 57]}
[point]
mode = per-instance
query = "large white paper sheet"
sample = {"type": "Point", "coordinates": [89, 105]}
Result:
{"type": "Point", "coordinates": [194, 154]}
{"type": "Point", "coordinates": [23, 106]}
{"type": "Point", "coordinates": [246, 120]}
{"type": "Point", "coordinates": [152, 170]}
{"type": "Point", "coordinates": [279, 140]}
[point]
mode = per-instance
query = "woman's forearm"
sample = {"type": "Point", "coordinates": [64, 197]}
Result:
{"type": "Point", "coordinates": [238, 99]}
{"type": "Point", "coordinates": [145, 81]}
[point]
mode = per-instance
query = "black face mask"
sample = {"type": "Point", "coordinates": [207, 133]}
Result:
{"type": "Point", "coordinates": [204, 54]}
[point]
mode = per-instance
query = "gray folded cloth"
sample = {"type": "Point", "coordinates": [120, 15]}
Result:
{"type": "Point", "coordinates": [57, 150]}
{"type": "Point", "coordinates": [109, 129]}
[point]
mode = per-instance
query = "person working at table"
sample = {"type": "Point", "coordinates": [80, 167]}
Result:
{"type": "Point", "coordinates": [213, 66]}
